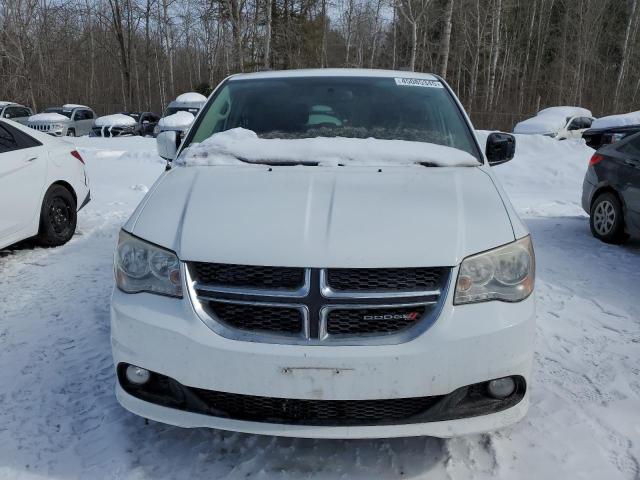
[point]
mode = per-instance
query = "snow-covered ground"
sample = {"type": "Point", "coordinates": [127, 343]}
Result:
{"type": "Point", "coordinates": [59, 417]}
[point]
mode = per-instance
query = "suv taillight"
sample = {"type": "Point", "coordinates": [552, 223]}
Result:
{"type": "Point", "coordinates": [595, 159]}
{"type": "Point", "coordinates": [76, 154]}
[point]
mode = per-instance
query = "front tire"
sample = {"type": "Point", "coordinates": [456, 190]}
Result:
{"type": "Point", "coordinates": [58, 217]}
{"type": "Point", "coordinates": [71, 133]}
{"type": "Point", "coordinates": [607, 219]}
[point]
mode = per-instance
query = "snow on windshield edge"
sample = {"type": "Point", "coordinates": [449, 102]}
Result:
{"type": "Point", "coordinates": [241, 146]}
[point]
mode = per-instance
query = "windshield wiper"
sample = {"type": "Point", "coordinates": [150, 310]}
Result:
{"type": "Point", "coordinates": [279, 163]}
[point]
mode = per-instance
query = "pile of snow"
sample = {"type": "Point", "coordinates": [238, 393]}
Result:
{"type": "Point", "coordinates": [177, 120]}
{"type": "Point", "coordinates": [619, 120]}
{"type": "Point", "coordinates": [116, 120]}
{"type": "Point", "coordinates": [550, 120]}
{"type": "Point", "coordinates": [239, 145]}
{"type": "Point", "coordinates": [73, 105]}
{"type": "Point", "coordinates": [47, 117]}
{"type": "Point", "coordinates": [191, 97]}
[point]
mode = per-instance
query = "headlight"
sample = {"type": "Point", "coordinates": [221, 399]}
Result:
{"type": "Point", "coordinates": [57, 127]}
{"type": "Point", "coordinates": [505, 273]}
{"type": "Point", "coordinates": [143, 267]}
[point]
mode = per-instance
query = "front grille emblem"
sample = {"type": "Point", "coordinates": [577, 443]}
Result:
{"type": "Point", "coordinates": [392, 316]}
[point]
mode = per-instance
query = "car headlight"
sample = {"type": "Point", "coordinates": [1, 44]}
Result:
{"type": "Point", "coordinates": [57, 127]}
{"type": "Point", "coordinates": [505, 273]}
{"type": "Point", "coordinates": [143, 267]}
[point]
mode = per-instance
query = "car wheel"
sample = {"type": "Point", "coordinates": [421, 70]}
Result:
{"type": "Point", "coordinates": [607, 219]}
{"type": "Point", "coordinates": [71, 133]}
{"type": "Point", "coordinates": [58, 217]}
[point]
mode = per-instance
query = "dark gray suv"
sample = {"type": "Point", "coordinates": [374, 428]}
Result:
{"type": "Point", "coordinates": [611, 191]}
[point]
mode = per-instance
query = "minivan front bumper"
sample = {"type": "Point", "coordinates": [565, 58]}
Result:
{"type": "Point", "coordinates": [467, 345]}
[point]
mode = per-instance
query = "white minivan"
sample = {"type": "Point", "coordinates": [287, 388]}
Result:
{"type": "Point", "coordinates": [329, 254]}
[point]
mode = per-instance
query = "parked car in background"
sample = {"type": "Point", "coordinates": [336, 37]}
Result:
{"type": "Point", "coordinates": [611, 191]}
{"type": "Point", "coordinates": [277, 281]}
{"type": "Point", "coordinates": [43, 185]}
{"type": "Point", "coordinates": [125, 123]}
{"type": "Point", "coordinates": [15, 112]}
{"type": "Point", "coordinates": [560, 123]}
{"type": "Point", "coordinates": [610, 129]}
{"type": "Point", "coordinates": [181, 113]}
{"type": "Point", "coordinates": [69, 120]}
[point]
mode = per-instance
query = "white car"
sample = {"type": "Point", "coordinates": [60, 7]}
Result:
{"type": "Point", "coordinates": [561, 123]}
{"type": "Point", "coordinates": [43, 184]}
{"type": "Point", "coordinates": [359, 273]}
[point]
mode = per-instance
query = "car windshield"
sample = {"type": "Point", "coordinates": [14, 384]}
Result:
{"type": "Point", "coordinates": [384, 108]}
{"type": "Point", "coordinates": [62, 111]}
{"type": "Point", "coordinates": [172, 110]}
{"type": "Point", "coordinates": [134, 115]}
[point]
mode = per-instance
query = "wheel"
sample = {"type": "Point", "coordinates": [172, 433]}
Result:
{"type": "Point", "coordinates": [71, 133]}
{"type": "Point", "coordinates": [58, 217]}
{"type": "Point", "coordinates": [607, 219]}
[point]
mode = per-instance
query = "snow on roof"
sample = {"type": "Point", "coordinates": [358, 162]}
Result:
{"type": "Point", "coordinates": [620, 120]}
{"type": "Point", "coordinates": [4, 103]}
{"type": "Point", "coordinates": [550, 120]}
{"type": "Point", "coordinates": [191, 97]}
{"type": "Point", "coordinates": [239, 146]}
{"type": "Point", "coordinates": [566, 111]}
{"type": "Point", "coordinates": [333, 72]}
{"type": "Point", "coordinates": [178, 119]}
{"type": "Point", "coordinates": [116, 120]}
{"type": "Point", "coordinates": [47, 117]}
{"type": "Point", "coordinates": [73, 105]}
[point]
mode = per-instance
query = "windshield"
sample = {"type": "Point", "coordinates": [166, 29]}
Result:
{"type": "Point", "coordinates": [62, 111]}
{"type": "Point", "coordinates": [353, 107]}
{"type": "Point", "coordinates": [172, 110]}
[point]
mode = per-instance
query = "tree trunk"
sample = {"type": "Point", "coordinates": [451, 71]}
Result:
{"type": "Point", "coordinates": [446, 39]}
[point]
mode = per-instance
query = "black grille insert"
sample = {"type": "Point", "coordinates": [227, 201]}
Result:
{"type": "Point", "coordinates": [385, 279]}
{"type": "Point", "coordinates": [353, 321]}
{"type": "Point", "coordinates": [465, 402]}
{"type": "Point", "coordinates": [248, 276]}
{"type": "Point", "coordinates": [277, 320]}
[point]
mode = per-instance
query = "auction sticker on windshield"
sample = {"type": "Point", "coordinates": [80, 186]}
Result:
{"type": "Point", "coordinates": [418, 82]}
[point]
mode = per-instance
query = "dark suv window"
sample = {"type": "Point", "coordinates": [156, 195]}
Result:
{"type": "Point", "coordinates": [632, 147]}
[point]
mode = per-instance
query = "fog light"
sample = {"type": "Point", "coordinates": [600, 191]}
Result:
{"type": "Point", "coordinates": [137, 375]}
{"type": "Point", "coordinates": [501, 388]}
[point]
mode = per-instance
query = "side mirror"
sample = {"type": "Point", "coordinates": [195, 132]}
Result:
{"type": "Point", "coordinates": [167, 144]}
{"type": "Point", "coordinates": [501, 147]}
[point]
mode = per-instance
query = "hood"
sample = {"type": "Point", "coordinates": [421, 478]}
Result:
{"type": "Point", "coordinates": [115, 120]}
{"type": "Point", "coordinates": [177, 120]}
{"type": "Point", "coordinates": [48, 118]}
{"type": "Point", "coordinates": [324, 217]}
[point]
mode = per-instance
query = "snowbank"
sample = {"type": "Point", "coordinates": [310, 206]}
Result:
{"type": "Point", "coordinates": [47, 117]}
{"type": "Point", "coordinates": [191, 97]}
{"type": "Point", "coordinates": [549, 120]}
{"type": "Point", "coordinates": [116, 120]}
{"type": "Point", "coordinates": [178, 119]}
{"type": "Point", "coordinates": [240, 146]}
{"type": "Point", "coordinates": [619, 120]}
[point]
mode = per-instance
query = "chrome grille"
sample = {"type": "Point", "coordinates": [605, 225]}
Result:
{"type": "Point", "coordinates": [41, 128]}
{"type": "Point", "coordinates": [303, 305]}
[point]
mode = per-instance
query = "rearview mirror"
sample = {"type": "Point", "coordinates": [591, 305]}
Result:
{"type": "Point", "coordinates": [167, 144]}
{"type": "Point", "coordinates": [501, 147]}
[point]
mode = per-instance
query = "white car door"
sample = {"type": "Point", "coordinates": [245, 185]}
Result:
{"type": "Point", "coordinates": [23, 168]}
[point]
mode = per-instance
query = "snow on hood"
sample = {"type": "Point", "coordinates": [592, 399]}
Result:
{"type": "Point", "coordinates": [550, 120]}
{"type": "Point", "coordinates": [48, 117]}
{"type": "Point", "coordinates": [239, 145]}
{"type": "Point", "coordinates": [73, 105]}
{"type": "Point", "coordinates": [178, 119]}
{"type": "Point", "coordinates": [619, 120]}
{"type": "Point", "coordinates": [116, 120]}
{"type": "Point", "coordinates": [191, 97]}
